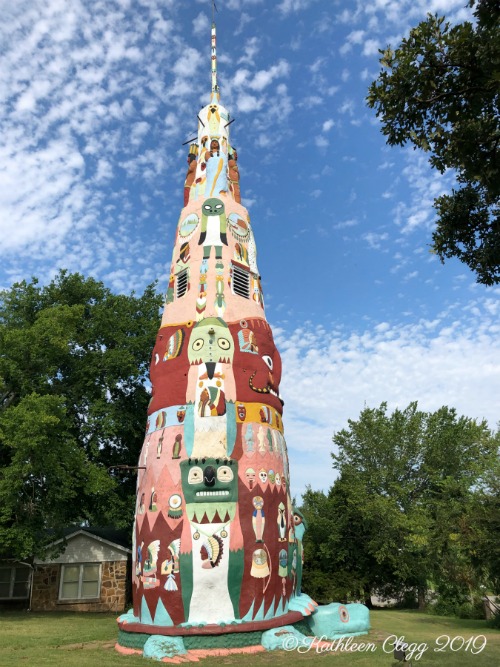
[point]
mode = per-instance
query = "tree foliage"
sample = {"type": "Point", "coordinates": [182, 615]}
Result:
{"type": "Point", "coordinates": [440, 91]}
{"type": "Point", "coordinates": [404, 511]}
{"type": "Point", "coordinates": [73, 363]}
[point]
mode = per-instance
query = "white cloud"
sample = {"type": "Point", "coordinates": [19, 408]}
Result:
{"type": "Point", "coordinates": [354, 37]}
{"type": "Point", "coordinates": [327, 125]}
{"type": "Point", "coordinates": [425, 184]}
{"type": "Point", "coordinates": [374, 240]}
{"type": "Point", "coordinates": [238, 4]}
{"type": "Point", "coordinates": [310, 101]}
{"type": "Point", "coordinates": [201, 24]}
{"type": "Point", "coordinates": [347, 107]}
{"type": "Point", "coordinates": [188, 63]}
{"type": "Point", "coordinates": [263, 78]}
{"type": "Point", "coordinates": [346, 223]}
{"type": "Point", "coordinates": [250, 50]}
{"type": "Point", "coordinates": [247, 103]}
{"type": "Point", "coordinates": [371, 47]}
{"type": "Point", "coordinates": [317, 64]}
{"type": "Point", "coordinates": [288, 6]}
{"type": "Point", "coordinates": [330, 375]}
{"type": "Point", "coordinates": [321, 142]}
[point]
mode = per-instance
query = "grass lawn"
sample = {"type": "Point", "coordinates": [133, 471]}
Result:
{"type": "Point", "coordinates": [70, 640]}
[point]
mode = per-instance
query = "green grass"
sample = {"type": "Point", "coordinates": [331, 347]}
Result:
{"type": "Point", "coordinates": [87, 640]}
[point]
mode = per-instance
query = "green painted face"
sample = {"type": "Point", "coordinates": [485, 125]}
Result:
{"type": "Point", "coordinates": [213, 206]}
{"type": "Point", "coordinates": [210, 342]}
{"type": "Point", "coordinates": [210, 486]}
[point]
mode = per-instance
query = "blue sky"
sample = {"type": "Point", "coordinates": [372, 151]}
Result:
{"type": "Point", "coordinates": [96, 99]}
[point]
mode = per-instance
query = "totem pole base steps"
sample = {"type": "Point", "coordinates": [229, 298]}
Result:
{"type": "Point", "coordinates": [296, 630]}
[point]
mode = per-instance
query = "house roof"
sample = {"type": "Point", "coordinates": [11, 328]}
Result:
{"type": "Point", "coordinates": [116, 537]}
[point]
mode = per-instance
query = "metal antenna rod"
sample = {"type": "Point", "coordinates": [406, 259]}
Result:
{"type": "Point", "coordinates": [215, 87]}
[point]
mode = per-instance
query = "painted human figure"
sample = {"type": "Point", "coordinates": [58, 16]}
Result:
{"type": "Point", "coordinates": [141, 505]}
{"type": "Point", "coordinates": [213, 229]}
{"type": "Point", "coordinates": [176, 449]}
{"type": "Point", "coordinates": [213, 151]}
{"type": "Point", "coordinates": [138, 562]}
{"type": "Point", "coordinates": [281, 522]}
{"type": "Point", "coordinates": [249, 438]}
{"type": "Point", "coordinates": [159, 445]}
{"type": "Point", "coordinates": [234, 175]}
{"type": "Point", "coordinates": [258, 518]}
{"type": "Point", "coordinates": [216, 170]}
{"type": "Point", "coordinates": [190, 175]}
{"type": "Point", "coordinates": [152, 503]}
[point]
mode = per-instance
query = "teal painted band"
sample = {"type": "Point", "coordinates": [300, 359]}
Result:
{"type": "Point", "coordinates": [239, 628]}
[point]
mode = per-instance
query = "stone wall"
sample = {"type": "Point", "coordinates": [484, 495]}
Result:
{"type": "Point", "coordinates": [112, 596]}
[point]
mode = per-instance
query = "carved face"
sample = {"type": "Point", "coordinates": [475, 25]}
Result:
{"type": "Point", "coordinates": [209, 486]}
{"type": "Point", "coordinates": [250, 477]}
{"type": "Point", "coordinates": [213, 206]}
{"type": "Point", "coordinates": [210, 343]}
{"type": "Point", "coordinates": [257, 375]}
{"type": "Point", "coordinates": [263, 476]}
{"type": "Point", "coordinates": [258, 502]}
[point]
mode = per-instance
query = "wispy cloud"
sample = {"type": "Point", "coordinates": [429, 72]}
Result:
{"type": "Point", "coordinates": [375, 239]}
{"type": "Point", "coordinates": [331, 374]}
{"type": "Point", "coordinates": [290, 6]}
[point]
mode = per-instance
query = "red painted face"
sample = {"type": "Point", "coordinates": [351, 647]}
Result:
{"type": "Point", "coordinates": [257, 374]}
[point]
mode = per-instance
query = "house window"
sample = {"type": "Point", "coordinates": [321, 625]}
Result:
{"type": "Point", "coordinates": [14, 582]}
{"type": "Point", "coordinates": [181, 285]}
{"type": "Point", "coordinates": [240, 283]}
{"type": "Point", "coordinates": [80, 582]}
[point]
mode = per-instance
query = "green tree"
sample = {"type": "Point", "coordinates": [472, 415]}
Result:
{"type": "Point", "coordinates": [338, 566]}
{"type": "Point", "coordinates": [73, 364]}
{"type": "Point", "coordinates": [484, 527]}
{"type": "Point", "coordinates": [398, 516]}
{"type": "Point", "coordinates": [440, 91]}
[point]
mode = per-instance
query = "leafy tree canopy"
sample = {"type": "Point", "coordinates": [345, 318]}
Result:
{"type": "Point", "coordinates": [440, 91]}
{"type": "Point", "coordinates": [73, 364]}
{"type": "Point", "coordinates": [403, 513]}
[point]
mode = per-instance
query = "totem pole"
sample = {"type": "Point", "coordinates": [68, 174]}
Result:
{"type": "Point", "coordinates": [214, 544]}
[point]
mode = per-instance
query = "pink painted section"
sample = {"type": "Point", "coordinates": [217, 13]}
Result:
{"type": "Point", "coordinates": [127, 651]}
{"type": "Point", "coordinates": [184, 309]}
{"type": "Point", "coordinates": [199, 654]}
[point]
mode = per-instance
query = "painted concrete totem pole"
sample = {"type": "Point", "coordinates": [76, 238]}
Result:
{"type": "Point", "coordinates": [215, 546]}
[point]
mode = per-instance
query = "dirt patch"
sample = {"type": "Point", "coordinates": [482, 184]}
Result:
{"type": "Point", "coordinates": [88, 646]}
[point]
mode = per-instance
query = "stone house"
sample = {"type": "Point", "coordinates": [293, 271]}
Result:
{"type": "Point", "coordinates": [90, 574]}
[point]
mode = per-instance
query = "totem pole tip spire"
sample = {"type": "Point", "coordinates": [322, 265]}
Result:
{"type": "Point", "coordinates": [215, 87]}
